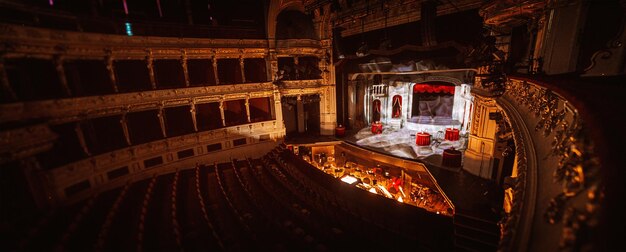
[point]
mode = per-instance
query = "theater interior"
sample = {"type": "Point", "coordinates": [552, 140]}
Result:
{"type": "Point", "coordinates": [312, 125]}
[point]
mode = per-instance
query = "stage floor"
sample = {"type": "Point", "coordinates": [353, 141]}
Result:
{"type": "Point", "coordinates": [401, 143]}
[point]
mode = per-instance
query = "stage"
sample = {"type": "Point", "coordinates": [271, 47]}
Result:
{"type": "Point", "coordinates": [402, 143]}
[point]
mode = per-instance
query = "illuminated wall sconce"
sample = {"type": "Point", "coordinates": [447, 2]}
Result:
{"type": "Point", "coordinates": [129, 28]}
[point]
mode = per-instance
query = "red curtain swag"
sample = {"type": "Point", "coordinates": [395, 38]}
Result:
{"type": "Point", "coordinates": [427, 88]}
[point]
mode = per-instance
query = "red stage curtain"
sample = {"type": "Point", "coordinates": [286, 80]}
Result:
{"type": "Point", "coordinates": [428, 88]}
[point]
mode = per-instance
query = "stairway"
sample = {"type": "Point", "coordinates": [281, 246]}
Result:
{"type": "Point", "coordinates": [472, 233]}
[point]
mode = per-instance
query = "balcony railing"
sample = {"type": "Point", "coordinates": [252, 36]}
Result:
{"type": "Point", "coordinates": [561, 158]}
{"type": "Point", "coordinates": [288, 43]}
{"type": "Point", "coordinates": [95, 169]}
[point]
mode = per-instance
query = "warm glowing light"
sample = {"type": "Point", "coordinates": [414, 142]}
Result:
{"type": "Point", "coordinates": [402, 191]}
{"type": "Point", "coordinates": [349, 179]}
{"type": "Point", "coordinates": [400, 199]}
{"type": "Point", "coordinates": [385, 191]}
{"type": "Point", "coordinates": [373, 190]}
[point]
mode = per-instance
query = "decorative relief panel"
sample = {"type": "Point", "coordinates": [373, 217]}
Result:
{"type": "Point", "coordinates": [577, 167]}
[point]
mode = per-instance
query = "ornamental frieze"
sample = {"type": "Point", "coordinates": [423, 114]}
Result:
{"type": "Point", "coordinates": [289, 84]}
{"type": "Point", "coordinates": [301, 91]}
{"type": "Point", "coordinates": [576, 169]}
{"type": "Point", "coordinates": [84, 106]}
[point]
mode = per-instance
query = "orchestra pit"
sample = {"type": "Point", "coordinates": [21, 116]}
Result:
{"type": "Point", "coordinates": [312, 125]}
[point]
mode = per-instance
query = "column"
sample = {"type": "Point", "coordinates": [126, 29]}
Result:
{"type": "Point", "coordinates": [162, 122]}
{"type": "Point", "coordinates": [328, 107]}
{"type": "Point", "coordinates": [124, 123]}
{"type": "Point", "coordinates": [81, 138]}
{"type": "Point", "coordinates": [295, 64]}
{"type": "Point", "coordinates": [243, 69]}
{"type": "Point", "coordinates": [222, 112]}
{"type": "Point", "coordinates": [300, 110]}
{"type": "Point", "coordinates": [278, 109]}
{"type": "Point", "coordinates": [4, 82]}
{"type": "Point", "coordinates": [217, 78]}
{"type": "Point", "coordinates": [248, 107]}
{"type": "Point", "coordinates": [58, 65]}
{"type": "Point", "coordinates": [150, 64]}
{"type": "Point", "coordinates": [193, 116]}
{"type": "Point", "coordinates": [111, 70]}
{"type": "Point", "coordinates": [480, 148]}
{"type": "Point", "coordinates": [183, 61]}
{"type": "Point", "coordinates": [271, 64]}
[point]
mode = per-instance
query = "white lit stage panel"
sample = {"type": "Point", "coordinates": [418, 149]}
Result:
{"type": "Point", "coordinates": [401, 142]}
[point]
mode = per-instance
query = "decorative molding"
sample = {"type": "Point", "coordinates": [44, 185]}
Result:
{"type": "Point", "coordinates": [501, 13]}
{"type": "Point", "coordinates": [65, 109]}
{"type": "Point", "coordinates": [32, 35]}
{"type": "Point", "coordinates": [286, 44]}
{"type": "Point", "coordinates": [291, 84]}
{"type": "Point", "coordinates": [513, 232]}
{"type": "Point", "coordinates": [98, 165]}
{"type": "Point", "coordinates": [576, 168]}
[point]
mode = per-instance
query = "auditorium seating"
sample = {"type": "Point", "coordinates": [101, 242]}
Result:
{"type": "Point", "coordinates": [277, 202]}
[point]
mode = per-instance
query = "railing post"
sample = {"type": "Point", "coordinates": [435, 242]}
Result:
{"type": "Point", "coordinates": [124, 123]}
{"type": "Point", "coordinates": [111, 69]}
{"type": "Point", "coordinates": [241, 66]}
{"type": "Point", "coordinates": [217, 78]}
{"type": "Point", "coordinates": [58, 65]}
{"type": "Point", "coordinates": [183, 61]}
{"type": "Point", "coordinates": [150, 65]}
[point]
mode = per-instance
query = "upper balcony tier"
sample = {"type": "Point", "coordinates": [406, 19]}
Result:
{"type": "Point", "coordinates": [183, 19]}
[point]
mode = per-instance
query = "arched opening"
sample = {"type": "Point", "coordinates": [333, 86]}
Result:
{"type": "Point", "coordinates": [396, 106]}
{"type": "Point", "coordinates": [294, 25]}
{"type": "Point", "coordinates": [376, 110]}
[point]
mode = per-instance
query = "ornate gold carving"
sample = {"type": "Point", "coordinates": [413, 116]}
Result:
{"type": "Point", "coordinates": [581, 222]}
{"type": "Point", "coordinates": [289, 84]}
{"type": "Point", "coordinates": [577, 167]}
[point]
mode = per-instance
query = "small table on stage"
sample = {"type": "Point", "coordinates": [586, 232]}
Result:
{"type": "Point", "coordinates": [452, 134]}
{"type": "Point", "coordinates": [422, 139]}
{"type": "Point", "coordinates": [377, 128]}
